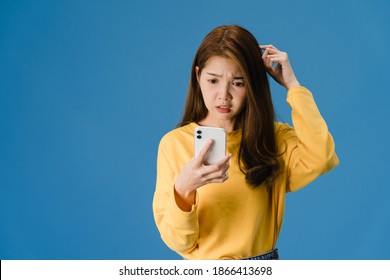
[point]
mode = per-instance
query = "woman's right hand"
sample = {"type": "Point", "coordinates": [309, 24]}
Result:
{"type": "Point", "coordinates": [282, 72]}
{"type": "Point", "coordinates": [196, 174]}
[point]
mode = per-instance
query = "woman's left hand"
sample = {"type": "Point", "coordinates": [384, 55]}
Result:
{"type": "Point", "coordinates": [282, 72]}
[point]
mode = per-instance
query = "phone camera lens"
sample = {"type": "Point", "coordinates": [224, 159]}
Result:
{"type": "Point", "coordinates": [199, 137]}
{"type": "Point", "coordinates": [199, 131]}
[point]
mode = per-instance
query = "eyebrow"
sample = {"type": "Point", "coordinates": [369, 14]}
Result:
{"type": "Point", "coordinates": [220, 76]}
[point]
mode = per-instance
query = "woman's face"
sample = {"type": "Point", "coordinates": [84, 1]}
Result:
{"type": "Point", "coordinates": [224, 91]}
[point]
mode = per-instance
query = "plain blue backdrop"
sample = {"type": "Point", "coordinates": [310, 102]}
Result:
{"type": "Point", "coordinates": [88, 88]}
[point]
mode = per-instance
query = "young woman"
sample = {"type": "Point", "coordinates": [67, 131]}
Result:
{"type": "Point", "coordinates": [234, 209]}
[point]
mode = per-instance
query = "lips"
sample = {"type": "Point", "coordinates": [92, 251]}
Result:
{"type": "Point", "coordinates": [223, 109]}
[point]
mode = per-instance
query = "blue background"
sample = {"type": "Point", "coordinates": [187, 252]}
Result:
{"type": "Point", "coordinates": [88, 88]}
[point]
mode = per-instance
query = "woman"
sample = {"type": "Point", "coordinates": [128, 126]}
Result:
{"type": "Point", "coordinates": [234, 209]}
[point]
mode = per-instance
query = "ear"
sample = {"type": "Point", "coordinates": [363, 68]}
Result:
{"type": "Point", "coordinates": [197, 73]}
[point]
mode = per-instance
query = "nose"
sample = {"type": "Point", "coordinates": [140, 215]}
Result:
{"type": "Point", "coordinates": [224, 92]}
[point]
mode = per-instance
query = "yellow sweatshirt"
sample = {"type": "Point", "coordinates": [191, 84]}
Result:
{"type": "Point", "coordinates": [233, 220]}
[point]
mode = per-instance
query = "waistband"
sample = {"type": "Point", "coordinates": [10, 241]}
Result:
{"type": "Point", "coordinates": [272, 255]}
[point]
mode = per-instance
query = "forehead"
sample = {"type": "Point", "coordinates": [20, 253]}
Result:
{"type": "Point", "coordinates": [222, 65]}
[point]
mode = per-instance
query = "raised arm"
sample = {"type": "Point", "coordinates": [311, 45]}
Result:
{"type": "Point", "coordinates": [310, 146]}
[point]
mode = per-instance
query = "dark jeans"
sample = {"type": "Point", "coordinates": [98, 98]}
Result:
{"type": "Point", "coordinates": [273, 255]}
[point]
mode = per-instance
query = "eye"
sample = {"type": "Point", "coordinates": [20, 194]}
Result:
{"type": "Point", "coordinates": [212, 81]}
{"type": "Point", "coordinates": [238, 84]}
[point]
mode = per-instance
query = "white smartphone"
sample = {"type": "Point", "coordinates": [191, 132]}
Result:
{"type": "Point", "coordinates": [218, 150]}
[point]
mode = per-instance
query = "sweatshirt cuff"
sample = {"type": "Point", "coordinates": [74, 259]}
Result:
{"type": "Point", "coordinates": [295, 91]}
{"type": "Point", "coordinates": [182, 218]}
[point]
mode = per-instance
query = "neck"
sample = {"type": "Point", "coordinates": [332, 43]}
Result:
{"type": "Point", "coordinates": [228, 125]}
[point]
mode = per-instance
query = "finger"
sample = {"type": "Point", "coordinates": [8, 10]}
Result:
{"type": "Point", "coordinates": [264, 55]}
{"type": "Point", "coordinates": [263, 47]}
{"type": "Point", "coordinates": [202, 154]}
{"type": "Point", "coordinates": [276, 58]}
{"type": "Point", "coordinates": [279, 57]}
{"type": "Point", "coordinates": [216, 177]}
{"type": "Point", "coordinates": [269, 59]}
{"type": "Point", "coordinates": [223, 169]}
{"type": "Point", "coordinates": [215, 181]}
{"type": "Point", "coordinates": [272, 51]}
{"type": "Point", "coordinates": [267, 52]}
{"type": "Point", "coordinates": [216, 170]}
{"type": "Point", "coordinates": [269, 46]}
{"type": "Point", "coordinates": [269, 63]}
{"type": "Point", "coordinates": [223, 161]}
{"type": "Point", "coordinates": [274, 63]}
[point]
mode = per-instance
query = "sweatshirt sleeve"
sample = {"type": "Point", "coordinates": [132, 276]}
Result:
{"type": "Point", "coordinates": [178, 229]}
{"type": "Point", "coordinates": [310, 147]}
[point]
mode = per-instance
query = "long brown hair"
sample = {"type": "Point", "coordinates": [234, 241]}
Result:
{"type": "Point", "coordinates": [258, 149]}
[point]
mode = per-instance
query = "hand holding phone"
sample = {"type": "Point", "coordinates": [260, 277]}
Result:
{"type": "Point", "coordinates": [201, 169]}
{"type": "Point", "coordinates": [202, 134]}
